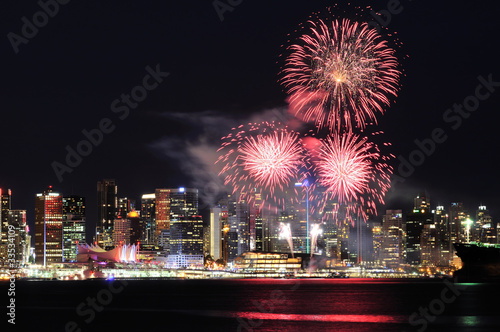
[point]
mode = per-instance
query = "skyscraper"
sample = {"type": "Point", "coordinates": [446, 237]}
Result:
{"type": "Point", "coordinates": [216, 215]}
{"type": "Point", "coordinates": [414, 225]}
{"type": "Point", "coordinates": [392, 243]}
{"type": "Point", "coordinates": [5, 206]}
{"type": "Point", "coordinates": [17, 218]}
{"type": "Point", "coordinates": [186, 241]}
{"type": "Point", "coordinates": [74, 226]}
{"type": "Point", "coordinates": [107, 209]}
{"type": "Point", "coordinates": [48, 227]}
{"type": "Point", "coordinates": [148, 203]}
{"type": "Point", "coordinates": [441, 220]}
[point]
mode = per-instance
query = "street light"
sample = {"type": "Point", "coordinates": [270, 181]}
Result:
{"type": "Point", "coordinates": [305, 183]}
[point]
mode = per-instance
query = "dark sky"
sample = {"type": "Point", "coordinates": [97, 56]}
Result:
{"type": "Point", "coordinates": [65, 78]}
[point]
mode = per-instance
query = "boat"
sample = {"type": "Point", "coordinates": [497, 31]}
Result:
{"type": "Point", "coordinates": [481, 262]}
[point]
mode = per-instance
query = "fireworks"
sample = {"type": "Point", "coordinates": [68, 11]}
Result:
{"type": "Point", "coordinates": [340, 74]}
{"type": "Point", "coordinates": [315, 232]}
{"type": "Point", "coordinates": [286, 233]}
{"type": "Point", "coordinates": [353, 172]}
{"type": "Point", "coordinates": [265, 158]}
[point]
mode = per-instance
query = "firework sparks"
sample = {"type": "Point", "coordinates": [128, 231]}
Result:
{"type": "Point", "coordinates": [353, 172]}
{"type": "Point", "coordinates": [340, 74]}
{"type": "Point", "coordinates": [315, 232]}
{"type": "Point", "coordinates": [265, 158]}
{"type": "Point", "coordinates": [286, 233]}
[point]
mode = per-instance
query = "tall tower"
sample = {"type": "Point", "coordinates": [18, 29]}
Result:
{"type": "Point", "coordinates": [48, 227]}
{"type": "Point", "coordinates": [107, 208]}
{"type": "Point", "coordinates": [73, 226]}
{"type": "Point", "coordinates": [148, 206]}
{"type": "Point", "coordinates": [414, 226]}
{"type": "Point", "coordinates": [441, 220]}
{"type": "Point", "coordinates": [5, 206]}
{"type": "Point", "coordinates": [216, 232]}
{"type": "Point", "coordinates": [392, 243]}
{"type": "Point", "coordinates": [17, 218]}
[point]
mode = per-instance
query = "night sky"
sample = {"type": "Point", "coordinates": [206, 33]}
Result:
{"type": "Point", "coordinates": [65, 79]}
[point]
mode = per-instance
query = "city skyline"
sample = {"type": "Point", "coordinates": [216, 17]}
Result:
{"type": "Point", "coordinates": [169, 139]}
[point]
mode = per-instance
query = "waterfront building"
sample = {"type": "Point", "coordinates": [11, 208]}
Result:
{"type": "Point", "coordinates": [48, 227]}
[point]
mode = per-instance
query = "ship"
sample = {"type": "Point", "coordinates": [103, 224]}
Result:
{"type": "Point", "coordinates": [480, 262]}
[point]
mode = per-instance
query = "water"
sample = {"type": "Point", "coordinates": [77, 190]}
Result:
{"type": "Point", "coordinates": [256, 305]}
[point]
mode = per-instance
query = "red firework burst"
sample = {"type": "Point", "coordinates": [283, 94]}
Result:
{"type": "Point", "coordinates": [353, 172]}
{"type": "Point", "coordinates": [263, 158]}
{"type": "Point", "coordinates": [340, 74]}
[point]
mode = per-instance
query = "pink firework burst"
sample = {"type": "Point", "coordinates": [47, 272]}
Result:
{"type": "Point", "coordinates": [263, 158]}
{"type": "Point", "coordinates": [353, 173]}
{"type": "Point", "coordinates": [340, 74]}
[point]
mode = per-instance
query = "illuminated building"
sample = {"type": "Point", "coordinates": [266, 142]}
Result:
{"type": "Point", "coordinates": [174, 203]}
{"type": "Point", "coordinates": [107, 209]}
{"type": "Point", "coordinates": [48, 227]}
{"type": "Point", "coordinates": [429, 244]}
{"type": "Point", "coordinates": [414, 225]}
{"type": "Point", "coordinates": [261, 262]}
{"type": "Point", "coordinates": [121, 253]}
{"type": "Point", "coordinates": [73, 226]}
{"type": "Point", "coordinates": [206, 240]}
{"type": "Point", "coordinates": [17, 218]}
{"type": "Point", "coordinates": [74, 205]}
{"type": "Point", "coordinates": [149, 218]}
{"type": "Point", "coordinates": [5, 205]}
{"type": "Point", "coordinates": [393, 241]}
{"type": "Point", "coordinates": [121, 232]}
{"type": "Point", "coordinates": [136, 227]}
{"type": "Point", "coordinates": [483, 229]}
{"type": "Point", "coordinates": [123, 204]}
{"type": "Point", "coordinates": [457, 217]}
{"type": "Point", "coordinates": [378, 236]}
{"type": "Point", "coordinates": [215, 239]}
{"type": "Point", "coordinates": [441, 221]}
{"type": "Point", "coordinates": [243, 227]}
{"type": "Point", "coordinates": [186, 241]}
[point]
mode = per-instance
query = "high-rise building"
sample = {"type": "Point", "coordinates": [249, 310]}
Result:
{"type": "Point", "coordinates": [136, 227]}
{"type": "Point", "coordinates": [107, 209]}
{"type": "Point", "coordinates": [393, 241]}
{"type": "Point", "coordinates": [483, 230]}
{"type": "Point", "coordinates": [429, 244]}
{"type": "Point", "coordinates": [186, 239]}
{"type": "Point", "coordinates": [172, 204]}
{"type": "Point", "coordinates": [121, 231]}
{"type": "Point", "coordinates": [216, 217]}
{"type": "Point", "coordinates": [441, 220]}
{"type": "Point", "coordinates": [243, 220]}
{"type": "Point", "coordinates": [48, 227]}
{"type": "Point", "coordinates": [378, 236]}
{"type": "Point", "coordinates": [149, 218]}
{"type": "Point", "coordinates": [457, 217]}
{"type": "Point", "coordinates": [414, 225]}
{"type": "Point", "coordinates": [74, 226]}
{"type": "Point", "coordinates": [5, 206]}
{"type": "Point", "coordinates": [17, 218]}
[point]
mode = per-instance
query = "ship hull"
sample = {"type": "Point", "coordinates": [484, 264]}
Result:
{"type": "Point", "coordinates": [480, 263]}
